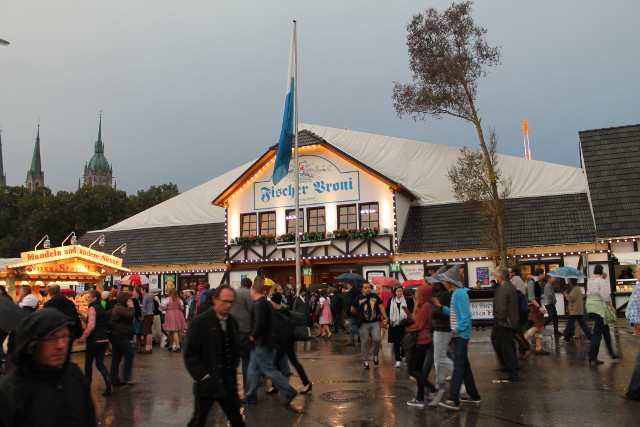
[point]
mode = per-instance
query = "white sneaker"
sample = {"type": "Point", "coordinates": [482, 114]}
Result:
{"type": "Point", "coordinates": [398, 364]}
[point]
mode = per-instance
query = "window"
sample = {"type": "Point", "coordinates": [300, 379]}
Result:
{"type": "Point", "coordinates": [369, 215]}
{"type": "Point", "coordinates": [347, 217]}
{"type": "Point", "coordinates": [268, 223]}
{"type": "Point", "coordinates": [290, 218]}
{"type": "Point", "coordinates": [316, 219]}
{"type": "Point", "coordinates": [248, 224]}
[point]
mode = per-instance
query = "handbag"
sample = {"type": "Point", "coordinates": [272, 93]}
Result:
{"type": "Point", "coordinates": [609, 315]}
{"type": "Point", "coordinates": [409, 341]}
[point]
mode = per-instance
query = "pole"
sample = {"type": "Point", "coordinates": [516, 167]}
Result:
{"type": "Point", "coordinates": [295, 156]}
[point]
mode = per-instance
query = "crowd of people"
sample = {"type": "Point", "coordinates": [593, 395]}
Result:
{"type": "Point", "coordinates": [429, 327]}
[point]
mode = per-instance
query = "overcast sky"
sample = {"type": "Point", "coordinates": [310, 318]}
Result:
{"type": "Point", "coordinates": [190, 89]}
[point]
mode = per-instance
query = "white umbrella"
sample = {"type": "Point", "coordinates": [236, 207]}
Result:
{"type": "Point", "coordinates": [135, 280]}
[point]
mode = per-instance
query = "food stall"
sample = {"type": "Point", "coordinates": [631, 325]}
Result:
{"type": "Point", "coordinates": [73, 267]}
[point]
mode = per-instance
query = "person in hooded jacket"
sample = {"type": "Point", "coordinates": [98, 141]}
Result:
{"type": "Point", "coordinates": [121, 324]}
{"type": "Point", "coordinates": [422, 327]}
{"type": "Point", "coordinates": [45, 384]}
{"type": "Point", "coordinates": [97, 338]}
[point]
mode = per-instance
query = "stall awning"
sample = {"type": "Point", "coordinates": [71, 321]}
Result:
{"type": "Point", "coordinates": [627, 258]}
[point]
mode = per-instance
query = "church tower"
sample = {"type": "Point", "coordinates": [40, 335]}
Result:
{"type": "Point", "coordinates": [3, 176]}
{"type": "Point", "coordinates": [98, 171]}
{"type": "Point", "coordinates": [35, 176]}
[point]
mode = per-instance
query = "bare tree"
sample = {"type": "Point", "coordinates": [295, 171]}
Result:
{"type": "Point", "coordinates": [448, 54]}
{"type": "Point", "coordinates": [472, 186]}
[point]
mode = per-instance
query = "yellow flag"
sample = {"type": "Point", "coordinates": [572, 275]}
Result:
{"type": "Point", "coordinates": [525, 127]}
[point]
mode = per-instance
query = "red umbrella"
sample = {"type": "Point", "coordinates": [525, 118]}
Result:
{"type": "Point", "coordinates": [135, 280]}
{"type": "Point", "coordinates": [413, 283]}
{"type": "Point", "coordinates": [385, 281]}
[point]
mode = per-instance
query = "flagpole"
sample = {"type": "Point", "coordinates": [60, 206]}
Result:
{"type": "Point", "coordinates": [296, 167]}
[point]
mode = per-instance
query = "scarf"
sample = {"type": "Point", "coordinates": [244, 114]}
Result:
{"type": "Point", "coordinates": [397, 316]}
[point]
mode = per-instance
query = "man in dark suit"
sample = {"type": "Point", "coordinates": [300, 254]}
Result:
{"type": "Point", "coordinates": [66, 307]}
{"type": "Point", "coordinates": [211, 356]}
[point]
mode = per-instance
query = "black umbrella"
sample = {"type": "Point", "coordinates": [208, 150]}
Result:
{"type": "Point", "coordinates": [356, 279]}
{"type": "Point", "coordinates": [312, 288]}
{"type": "Point", "coordinates": [10, 314]}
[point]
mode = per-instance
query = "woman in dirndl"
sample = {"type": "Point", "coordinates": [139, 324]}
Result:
{"type": "Point", "coordinates": [326, 320]}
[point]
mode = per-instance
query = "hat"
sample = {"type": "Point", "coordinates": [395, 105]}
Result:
{"type": "Point", "coordinates": [437, 276]}
{"type": "Point", "coordinates": [452, 276]}
{"type": "Point", "coordinates": [37, 327]}
{"type": "Point", "coordinates": [106, 294]}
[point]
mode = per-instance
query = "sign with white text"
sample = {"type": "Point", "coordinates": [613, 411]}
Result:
{"type": "Point", "coordinates": [320, 182]}
{"type": "Point", "coordinates": [482, 310]}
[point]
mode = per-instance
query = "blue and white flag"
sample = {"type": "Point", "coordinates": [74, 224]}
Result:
{"type": "Point", "coordinates": [285, 145]}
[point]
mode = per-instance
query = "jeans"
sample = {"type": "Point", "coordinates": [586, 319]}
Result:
{"type": "Point", "coordinates": [570, 329]}
{"type": "Point", "coordinates": [121, 346]}
{"type": "Point", "coordinates": [428, 362]}
{"type": "Point", "coordinates": [462, 371]}
{"type": "Point", "coordinates": [352, 322]}
{"type": "Point", "coordinates": [599, 330]}
{"type": "Point", "coordinates": [415, 370]}
{"type": "Point", "coordinates": [262, 363]}
{"type": "Point", "coordinates": [553, 317]}
{"type": "Point", "coordinates": [369, 332]}
{"type": "Point", "coordinates": [444, 365]}
{"type": "Point", "coordinates": [95, 350]}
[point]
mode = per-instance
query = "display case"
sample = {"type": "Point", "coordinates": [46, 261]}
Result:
{"type": "Point", "coordinates": [625, 286]}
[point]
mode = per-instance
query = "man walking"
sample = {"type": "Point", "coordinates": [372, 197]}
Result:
{"type": "Point", "coordinates": [441, 334]}
{"type": "Point", "coordinates": [241, 312]}
{"type": "Point", "coordinates": [524, 347]}
{"type": "Point", "coordinates": [147, 308]}
{"type": "Point", "coordinates": [549, 300]}
{"type": "Point", "coordinates": [261, 359]}
{"type": "Point", "coordinates": [576, 311]}
{"type": "Point", "coordinates": [460, 317]}
{"type": "Point", "coordinates": [506, 320]}
{"type": "Point", "coordinates": [65, 306]}
{"type": "Point", "coordinates": [369, 309]}
{"type": "Point", "coordinates": [211, 356]}
{"type": "Point", "coordinates": [536, 310]}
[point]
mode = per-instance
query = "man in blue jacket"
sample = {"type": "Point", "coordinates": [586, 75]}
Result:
{"type": "Point", "coordinates": [460, 317]}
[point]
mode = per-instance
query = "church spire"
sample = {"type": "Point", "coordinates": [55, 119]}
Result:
{"type": "Point", "coordinates": [36, 164]}
{"type": "Point", "coordinates": [35, 176]}
{"type": "Point", "coordinates": [3, 176]}
{"type": "Point", "coordinates": [99, 147]}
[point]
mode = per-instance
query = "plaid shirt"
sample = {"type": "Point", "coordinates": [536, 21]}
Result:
{"type": "Point", "coordinates": [633, 308]}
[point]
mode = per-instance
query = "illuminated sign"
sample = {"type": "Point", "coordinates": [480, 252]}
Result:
{"type": "Point", "coordinates": [72, 251]}
{"type": "Point", "coordinates": [320, 182]}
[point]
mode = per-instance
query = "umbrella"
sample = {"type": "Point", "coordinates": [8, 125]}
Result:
{"type": "Point", "coordinates": [385, 281]}
{"type": "Point", "coordinates": [315, 287]}
{"type": "Point", "coordinates": [10, 314]}
{"type": "Point", "coordinates": [566, 273]}
{"type": "Point", "coordinates": [356, 279]}
{"type": "Point", "coordinates": [414, 283]}
{"type": "Point", "coordinates": [135, 280]}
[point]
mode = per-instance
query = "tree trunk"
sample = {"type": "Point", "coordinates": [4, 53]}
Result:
{"type": "Point", "coordinates": [497, 208]}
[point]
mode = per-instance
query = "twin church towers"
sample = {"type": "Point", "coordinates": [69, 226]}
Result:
{"type": "Point", "coordinates": [97, 171]}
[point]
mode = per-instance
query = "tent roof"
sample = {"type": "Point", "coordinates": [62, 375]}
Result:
{"type": "Point", "coordinates": [418, 166]}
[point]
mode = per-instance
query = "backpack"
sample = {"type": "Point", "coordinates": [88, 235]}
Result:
{"type": "Point", "coordinates": [523, 303]}
{"type": "Point", "coordinates": [281, 328]}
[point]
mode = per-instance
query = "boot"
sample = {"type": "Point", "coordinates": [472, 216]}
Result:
{"type": "Point", "coordinates": [107, 391]}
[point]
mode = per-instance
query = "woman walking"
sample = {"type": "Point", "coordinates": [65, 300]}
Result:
{"type": "Point", "coordinates": [137, 323]}
{"type": "Point", "coordinates": [422, 328]}
{"type": "Point", "coordinates": [599, 300]}
{"type": "Point", "coordinates": [121, 322]}
{"type": "Point", "coordinates": [326, 318]}
{"type": "Point", "coordinates": [173, 319]}
{"type": "Point", "coordinates": [97, 339]}
{"type": "Point", "coordinates": [290, 352]}
{"type": "Point", "coordinates": [397, 322]}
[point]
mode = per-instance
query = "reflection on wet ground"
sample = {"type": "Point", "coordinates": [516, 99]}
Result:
{"type": "Point", "coordinates": [559, 389]}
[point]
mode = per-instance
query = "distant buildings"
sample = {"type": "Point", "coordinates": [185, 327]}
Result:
{"type": "Point", "coordinates": [97, 171]}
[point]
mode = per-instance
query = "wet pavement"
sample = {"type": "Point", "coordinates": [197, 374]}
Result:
{"type": "Point", "coordinates": [555, 390]}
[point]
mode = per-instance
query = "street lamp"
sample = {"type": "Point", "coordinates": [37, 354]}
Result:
{"type": "Point", "coordinates": [122, 251]}
{"type": "Point", "coordinates": [100, 241]}
{"type": "Point", "coordinates": [74, 239]}
{"type": "Point", "coordinates": [47, 243]}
